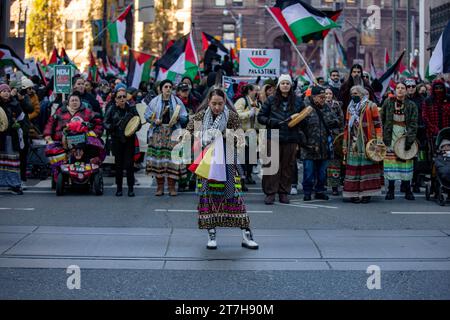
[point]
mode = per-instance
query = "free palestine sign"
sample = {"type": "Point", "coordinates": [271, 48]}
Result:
{"type": "Point", "coordinates": [259, 62]}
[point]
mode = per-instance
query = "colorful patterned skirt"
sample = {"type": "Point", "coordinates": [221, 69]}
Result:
{"type": "Point", "coordinates": [362, 176]}
{"type": "Point", "coordinates": [159, 156]}
{"type": "Point", "coordinates": [9, 166]}
{"type": "Point", "coordinates": [214, 210]}
{"type": "Point", "coordinates": [394, 167]}
{"type": "Point", "coordinates": [334, 173]}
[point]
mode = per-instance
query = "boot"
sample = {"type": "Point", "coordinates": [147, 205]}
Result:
{"type": "Point", "coordinates": [160, 187]}
{"type": "Point", "coordinates": [390, 195]}
{"type": "Point", "coordinates": [212, 243]}
{"type": "Point", "coordinates": [119, 182]}
{"type": "Point", "coordinates": [284, 199]}
{"type": "Point", "coordinates": [131, 191]}
{"type": "Point", "coordinates": [172, 190]}
{"type": "Point", "coordinates": [408, 193]}
{"type": "Point", "coordinates": [247, 240]}
{"type": "Point", "coordinates": [402, 187]}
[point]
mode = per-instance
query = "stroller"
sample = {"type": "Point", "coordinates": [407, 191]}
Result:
{"type": "Point", "coordinates": [441, 182]}
{"type": "Point", "coordinates": [79, 167]}
{"type": "Point", "coordinates": [38, 166]}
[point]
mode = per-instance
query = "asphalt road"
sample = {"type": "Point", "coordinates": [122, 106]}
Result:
{"type": "Point", "coordinates": [40, 207]}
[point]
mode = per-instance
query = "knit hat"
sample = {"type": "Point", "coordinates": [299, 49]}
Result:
{"type": "Point", "coordinates": [410, 82]}
{"type": "Point", "coordinates": [284, 77]}
{"type": "Point", "coordinates": [316, 90]}
{"type": "Point", "coordinates": [162, 83]}
{"type": "Point", "coordinates": [4, 87]}
{"type": "Point", "coordinates": [444, 143]}
{"type": "Point", "coordinates": [120, 86]}
{"type": "Point", "coordinates": [27, 83]}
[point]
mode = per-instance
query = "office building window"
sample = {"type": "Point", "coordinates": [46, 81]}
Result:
{"type": "Point", "coordinates": [229, 36]}
{"type": "Point", "coordinates": [180, 4]}
{"type": "Point", "coordinates": [220, 3]}
{"type": "Point", "coordinates": [238, 3]}
{"type": "Point", "coordinates": [74, 31]}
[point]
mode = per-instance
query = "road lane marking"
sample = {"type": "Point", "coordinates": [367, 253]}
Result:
{"type": "Point", "coordinates": [18, 209]}
{"type": "Point", "coordinates": [420, 212]}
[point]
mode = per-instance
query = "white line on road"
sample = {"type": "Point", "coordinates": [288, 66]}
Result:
{"type": "Point", "coordinates": [298, 203]}
{"type": "Point", "coordinates": [420, 212]}
{"type": "Point", "coordinates": [18, 209]}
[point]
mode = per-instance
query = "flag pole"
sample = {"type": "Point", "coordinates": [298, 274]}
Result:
{"type": "Point", "coordinates": [308, 70]}
{"type": "Point", "coordinates": [103, 30]}
{"type": "Point", "coordinates": [198, 61]}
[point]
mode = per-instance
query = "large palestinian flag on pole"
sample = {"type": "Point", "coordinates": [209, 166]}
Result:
{"type": "Point", "coordinates": [208, 40]}
{"type": "Point", "coordinates": [93, 69]}
{"type": "Point", "coordinates": [139, 68]}
{"type": "Point", "coordinates": [179, 59]}
{"type": "Point", "coordinates": [9, 58]}
{"type": "Point", "coordinates": [440, 59]}
{"type": "Point", "coordinates": [299, 20]}
{"type": "Point", "coordinates": [121, 31]}
{"type": "Point", "coordinates": [54, 58]}
{"type": "Point", "coordinates": [389, 74]}
{"type": "Point", "coordinates": [65, 58]}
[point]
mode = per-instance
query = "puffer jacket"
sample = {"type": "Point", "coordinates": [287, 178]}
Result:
{"type": "Point", "coordinates": [271, 116]}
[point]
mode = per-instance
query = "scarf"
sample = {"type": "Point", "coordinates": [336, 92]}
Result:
{"type": "Point", "coordinates": [355, 109]}
{"type": "Point", "coordinates": [212, 127]}
{"type": "Point", "coordinates": [333, 84]}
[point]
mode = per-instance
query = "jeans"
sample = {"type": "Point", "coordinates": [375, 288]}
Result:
{"type": "Point", "coordinates": [314, 176]}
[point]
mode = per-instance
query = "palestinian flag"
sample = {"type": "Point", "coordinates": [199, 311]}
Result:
{"type": "Point", "coordinates": [404, 71]}
{"type": "Point", "coordinates": [440, 59]}
{"type": "Point", "coordinates": [41, 71]}
{"type": "Point", "coordinates": [341, 50]}
{"type": "Point", "coordinates": [109, 69]}
{"type": "Point", "coordinates": [305, 78]}
{"type": "Point", "coordinates": [9, 58]}
{"type": "Point", "coordinates": [93, 69]}
{"type": "Point", "coordinates": [66, 60]}
{"type": "Point", "coordinates": [180, 59]}
{"type": "Point", "coordinates": [54, 58]}
{"type": "Point", "coordinates": [208, 40]}
{"type": "Point", "coordinates": [234, 59]}
{"type": "Point", "coordinates": [121, 31]}
{"type": "Point", "coordinates": [389, 74]}
{"type": "Point", "coordinates": [298, 19]}
{"type": "Point", "coordinates": [333, 15]}
{"type": "Point", "coordinates": [387, 60]}
{"type": "Point", "coordinates": [139, 66]}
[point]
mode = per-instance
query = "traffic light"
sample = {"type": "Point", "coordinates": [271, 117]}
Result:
{"type": "Point", "coordinates": [125, 50]}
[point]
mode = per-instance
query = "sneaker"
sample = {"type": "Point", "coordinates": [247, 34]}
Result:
{"type": "Point", "coordinates": [17, 191]}
{"type": "Point", "coordinates": [294, 190]}
{"type": "Point", "coordinates": [212, 243]}
{"type": "Point", "coordinates": [247, 240]}
{"type": "Point", "coordinates": [321, 196]}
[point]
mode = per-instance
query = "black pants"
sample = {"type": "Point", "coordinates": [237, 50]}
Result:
{"type": "Point", "coordinates": [23, 156]}
{"type": "Point", "coordinates": [124, 160]}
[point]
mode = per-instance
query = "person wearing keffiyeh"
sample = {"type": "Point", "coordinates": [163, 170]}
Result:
{"type": "Point", "coordinates": [221, 203]}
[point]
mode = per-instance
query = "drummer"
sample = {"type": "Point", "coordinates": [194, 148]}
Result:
{"type": "Point", "coordinates": [165, 113]}
{"type": "Point", "coordinates": [399, 117]}
{"type": "Point", "coordinates": [123, 147]}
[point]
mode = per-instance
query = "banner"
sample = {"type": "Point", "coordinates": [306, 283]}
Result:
{"type": "Point", "coordinates": [259, 62]}
{"type": "Point", "coordinates": [63, 79]}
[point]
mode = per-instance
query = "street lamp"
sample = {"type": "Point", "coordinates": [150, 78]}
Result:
{"type": "Point", "coordinates": [237, 21]}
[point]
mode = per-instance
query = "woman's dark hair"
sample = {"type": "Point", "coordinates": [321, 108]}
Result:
{"type": "Point", "coordinates": [279, 99]}
{"type": "Point", "coordinates": [217, 92]}
{"type": "Point", "coordinates": [402, 83]}
{"type": "Point", "coordinates": [356, 66]}
{"type": "Point", "coordinates": [74, 94]}
{"type": "Point", "coordinates": [247, 88]}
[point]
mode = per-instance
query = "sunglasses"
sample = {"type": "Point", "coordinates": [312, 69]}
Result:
{"type": "Point", "coordinates": [121, 97]}
{"type": "Point", "coordinates": [410, 86]}
{"type": "Point", "coordinates": [167, 87]}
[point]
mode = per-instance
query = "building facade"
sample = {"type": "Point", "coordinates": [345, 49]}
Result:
{"type": "Point", "coordinates": [261, 31]}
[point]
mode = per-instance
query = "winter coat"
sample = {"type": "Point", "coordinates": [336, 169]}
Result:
{"type": "Point", "coordinates": [411, 120]}
{"type": "Point", "coordinates": [62, 116]}
{"type": "Point", "coordinates": [314, 133]}
{"type": "Point", "coordinates": [271, 116]}
{"type": "Point", "coordinates": [13, 110]}
{"type": "Point", "coordinates": [115, 118]}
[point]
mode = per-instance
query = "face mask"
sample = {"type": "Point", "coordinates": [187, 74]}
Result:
{"type": "Point", "coordinates": [356, 99]}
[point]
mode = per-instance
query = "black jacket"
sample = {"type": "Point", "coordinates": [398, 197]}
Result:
{"type": "Point", "coordinates": [270, 116]}
{"type": "Point", "coordinates": [13, 109]}
{"type": "Point", "coordinates": [116, 120]}
{"type": "Point", "coordinates": [93, 103]}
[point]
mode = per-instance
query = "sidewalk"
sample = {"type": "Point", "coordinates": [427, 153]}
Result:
{"type": "Point", "coordinates": [184, 249]}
